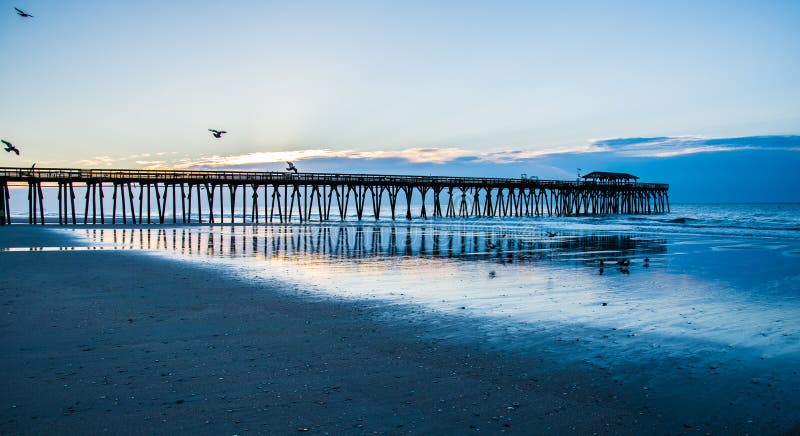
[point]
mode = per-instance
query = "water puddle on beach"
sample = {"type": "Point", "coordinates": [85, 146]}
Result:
{"type": "Point", "coordinates": [514, 284]}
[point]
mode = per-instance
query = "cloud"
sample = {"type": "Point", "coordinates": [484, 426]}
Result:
{"type": "Point", "coordinates": [652, 147]}
{"type": "Point", "coordinates": [431, 155]}
{"type": "Point", "coordinates": [671, 146]}
{"type": "Point", "coordinates": [635, 147]}
{"type": "Point", "coordinates": [107, 161]}
{"type": "Point", "coordinates": [97, 161]}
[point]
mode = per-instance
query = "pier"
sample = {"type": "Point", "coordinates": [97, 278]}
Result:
{"type": "Point", "coordinates": [177, 196]}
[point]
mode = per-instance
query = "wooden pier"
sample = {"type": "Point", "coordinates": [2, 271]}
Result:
{"type": "Point", "coordinates": [175, 196]}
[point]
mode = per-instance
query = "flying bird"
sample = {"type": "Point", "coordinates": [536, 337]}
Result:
{"type": "Point", "coordinates": [551, 234]}
{"type": "Point", "coordinates": [10, 147]}
{"type": "Point", "coordinates": [217, 133]}
{"type": "Point", "coordinates": [22, 13]}
{"type": "Point", "coordinates": [291, 167]}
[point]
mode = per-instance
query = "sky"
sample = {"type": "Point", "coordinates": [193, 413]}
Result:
{"type": "Point", "coordinates": [702, 95]}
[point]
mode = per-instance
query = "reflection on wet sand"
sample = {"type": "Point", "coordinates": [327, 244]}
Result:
{"type": "Point", "coordinates": [519, 275]}
{"type": "Point", "coordinates": [357, 242]}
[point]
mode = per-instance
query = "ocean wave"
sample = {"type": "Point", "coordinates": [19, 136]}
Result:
{"type": "Point", "coordinates": [681, 220]}
{"type": "Point", "coordinates": [744, 227]}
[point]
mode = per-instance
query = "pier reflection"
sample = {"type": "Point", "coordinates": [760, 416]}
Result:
{"type": "Point", "coordinates": [369, 242]}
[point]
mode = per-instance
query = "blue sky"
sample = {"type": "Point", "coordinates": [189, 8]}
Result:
{"type": "Point", "coordinates": [681, 92]}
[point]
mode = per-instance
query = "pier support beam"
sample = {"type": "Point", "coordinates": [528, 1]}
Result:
{"type": "Point", "coordinates": [5, 210]}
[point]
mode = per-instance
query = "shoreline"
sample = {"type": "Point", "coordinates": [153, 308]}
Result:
{"type": "Point", "coordinates": [110, 339]}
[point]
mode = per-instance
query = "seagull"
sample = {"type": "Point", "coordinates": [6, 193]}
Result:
{"type": "Point", "coordinates": [217, 133]}
{"type": "Point", "coordinates": [551, 234]}
{"type": "Point", "coordinates": [23, 14]}
{"type": "Point", "coordinates": [291, 167]}
{"type": "Point", "coordinates": [10, 147]}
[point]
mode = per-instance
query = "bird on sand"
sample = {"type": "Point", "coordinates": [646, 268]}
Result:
{"type": "Point", "coordinates": [217, 133]}
{"type": "Point", "coordinates": [291, 167]}
{"type": "Point", "coordinates": [551, 234]}
{"type": "Point", "coordinates": [22, 13]}
{"type": "Point", "coordinates": [10, 147]}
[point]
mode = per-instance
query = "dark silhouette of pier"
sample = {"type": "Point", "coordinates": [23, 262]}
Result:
{"type": "Point", "coordinates": [198, 196]}
{"type": "Point", "coordinates": [357, 241]}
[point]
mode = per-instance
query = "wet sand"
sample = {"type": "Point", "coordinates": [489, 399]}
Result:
{"type": "Point", "coordinates": [125, 342]}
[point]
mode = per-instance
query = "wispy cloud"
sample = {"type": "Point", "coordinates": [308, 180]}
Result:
{"type": "Point", "coordinates": [671, 146]}
{"type": "Point", "coordinates": [637, 147]}
{"type": "Point", "coordinates": [432, 155]}
{"type": "Point", "coordinates": [97, 161]}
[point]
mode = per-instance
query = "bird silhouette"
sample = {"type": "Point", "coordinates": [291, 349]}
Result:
{"type": "Point", "coordinates": [22, 13]}
{"type": "Point", "coordinates": [624, 262]}
{"type": "Point", "coordinates": [551, 234]}
{"type": "Point", "coordinates": [217, 133]}
{"type": "Point", "coordinates": [491, 245]}
{"type": "Point", "coordinates": [291, 167]}
{"type": "Point", "coordinates": [10, 147]}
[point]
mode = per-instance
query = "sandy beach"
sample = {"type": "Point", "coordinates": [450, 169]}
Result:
{"type": "Point", "coordinates": [125, 342]}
